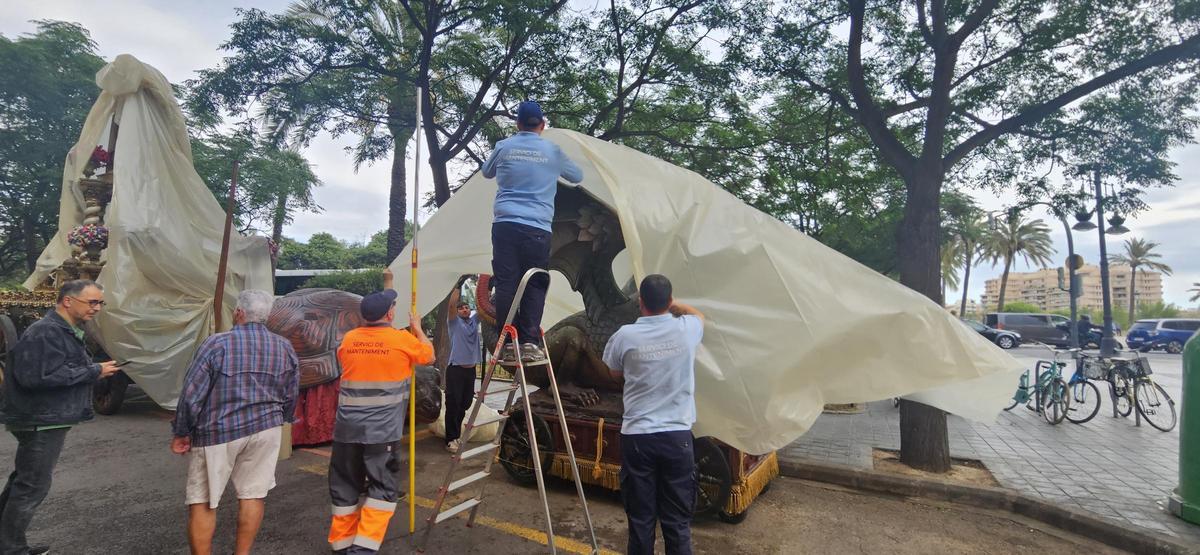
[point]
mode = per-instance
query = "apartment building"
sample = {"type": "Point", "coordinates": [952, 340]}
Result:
{"type": "Point", "coordinates": [1041, 288]}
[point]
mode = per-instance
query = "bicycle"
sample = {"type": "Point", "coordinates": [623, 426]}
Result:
{"type": "Point", "coordinates": [1048, 394]}
{"type": "Point", "coordinates": [1132, 387]}
{"type": "Point", "coordinates": [1084, 395]}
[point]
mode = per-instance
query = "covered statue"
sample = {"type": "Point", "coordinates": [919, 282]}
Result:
{"type": "Point", "coordinates": [779, 304]}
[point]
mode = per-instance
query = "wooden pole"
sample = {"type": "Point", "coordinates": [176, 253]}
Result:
{"type": "Point", "coordinates": [219, 298]}
{"type": "Point", "coordinates": [412, 393]}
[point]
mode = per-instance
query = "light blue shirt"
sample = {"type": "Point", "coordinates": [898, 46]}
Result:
{"type": "Point", "coordinates": [658, 356]}
{"type": "Point", "coordinates": [527, 168]}
{"type": "Point", "coordinates": [464, 339]}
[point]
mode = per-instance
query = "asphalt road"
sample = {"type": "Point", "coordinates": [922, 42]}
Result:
{"type": "Point", "coordinates": [118, 490]}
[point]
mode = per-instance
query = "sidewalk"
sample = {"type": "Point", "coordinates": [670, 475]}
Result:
{"type": "Point", "coordinates": [1107, 466]}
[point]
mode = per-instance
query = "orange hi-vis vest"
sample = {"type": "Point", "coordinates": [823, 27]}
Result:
{"type": "Point", "coordinates": [377, 362]}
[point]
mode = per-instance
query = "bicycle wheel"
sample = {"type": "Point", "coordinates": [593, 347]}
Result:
{"type": "Point", "coordinates": [1085, 402]}
{"type": "Point", "coordinates": [1057, 401]}
{"type": "Point", "coordinates": [1120, 389]}
{"type": "Point", "coordinates": [1155, 406]}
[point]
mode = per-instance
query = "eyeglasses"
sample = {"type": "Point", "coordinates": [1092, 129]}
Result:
{"type": "Point", "coordinates": [91, 303]}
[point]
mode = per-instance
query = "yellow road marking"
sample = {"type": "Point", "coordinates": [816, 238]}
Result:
{"type": "Point", "coordinates": [568, 545]}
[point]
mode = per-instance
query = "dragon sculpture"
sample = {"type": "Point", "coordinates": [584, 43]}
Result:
{"type": "Point", "coordinates": [586, 237]}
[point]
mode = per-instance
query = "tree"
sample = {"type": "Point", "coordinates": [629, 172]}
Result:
{"type": "Point", "coordinates": [653, 75]}
{"type": "Point", "coordinates": [345, 68]}
{"type": "Point", "coordinates": [45, 98]}
{"type": "Point", "coordinates": [962, 237]}
{"type": "Point", "coordinates": [1015, 237]}
{"type": "Point", "coordinates": [1195, 291]}
{"type": "Point", "coordinates": [273, 184]}
{"type": "Point", "coordinates": [1156, 309]}
{"type": "Point", "coordinates": [1138, 253]}
{"type": "Point", "coordinates": [467, 56]}
{"type": "Point", "coordinates": [975, 79]}
{"type": "Point", "coordinates": [1021, 307]}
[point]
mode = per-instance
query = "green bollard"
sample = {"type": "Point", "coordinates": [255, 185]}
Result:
{"type": "Point", "coordinates": [1185, 501]}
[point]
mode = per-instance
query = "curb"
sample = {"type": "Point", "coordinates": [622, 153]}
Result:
{"type": "Point", "coordinates": [1111, 533]}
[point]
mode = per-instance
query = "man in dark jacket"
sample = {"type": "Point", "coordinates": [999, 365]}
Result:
{"type": "Point", "coordinates": [47, 389]}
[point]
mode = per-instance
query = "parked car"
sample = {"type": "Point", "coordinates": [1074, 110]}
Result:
{"type": "Point", "coordinates": [1041, 328]}
{"type": "Point", "coordinates": [1003, 338]}
{"type": "Point", "coordinates": [1168, 334]}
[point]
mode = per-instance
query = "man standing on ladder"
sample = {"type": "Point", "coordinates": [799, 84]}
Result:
{"type": "Point", "coordinates": [377, 368]}
{"type": "Point", "coordinates": [526, 168]}
{"type": "Point", "coordinates": [657, 355]}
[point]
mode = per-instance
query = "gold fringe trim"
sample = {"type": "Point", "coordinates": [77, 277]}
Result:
{"type": "Point", "coordinates": [599, 474]}
{"type": "Point", "coordinates": [745, 491]}
{"type": "Point", "coordinates": [597, 470]}
{"type": "Point", "coordinates": [741, 495]}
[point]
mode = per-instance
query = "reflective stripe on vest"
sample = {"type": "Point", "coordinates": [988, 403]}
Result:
{"type": "Point", "coordinates": [372, 393]}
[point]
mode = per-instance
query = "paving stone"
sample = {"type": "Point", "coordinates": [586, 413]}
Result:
{"type": "Point", "coordinates": [1107, 466]}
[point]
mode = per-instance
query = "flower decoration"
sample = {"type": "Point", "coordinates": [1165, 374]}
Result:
{"type": "Point", "coordinates": [273, 248]}
{"type": "Point", "coordinates": [100, 158]}
{"type": "Point", "coordinates": [91, 235]}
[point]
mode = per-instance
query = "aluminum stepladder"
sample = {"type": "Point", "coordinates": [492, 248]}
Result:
{"type": "Point", "coordinates": [508, 331]}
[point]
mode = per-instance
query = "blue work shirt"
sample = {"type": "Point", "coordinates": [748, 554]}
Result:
{"type": "Point", "coordinates": [657, 354]}
{"type": "Point", "coordinates": [527, 168]}
{"type": "Point", "coordinates": [464, 339]}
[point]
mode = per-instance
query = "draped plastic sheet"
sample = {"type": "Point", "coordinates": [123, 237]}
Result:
{"type": "Point", "coordinates": [792, 324]}
{"type": "Point", "coordinates": [165, 231]}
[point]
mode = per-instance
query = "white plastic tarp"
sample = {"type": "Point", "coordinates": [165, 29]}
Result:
{"type": "Point", "coordinates": [792, 324]}
{"type": "Point", "coordinates": [165, 232]}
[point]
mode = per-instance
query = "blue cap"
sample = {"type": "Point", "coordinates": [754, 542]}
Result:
{"type": "Point", "coordinates": [529, 114]}
{"type": "Point", "coordinates": [376, 305]}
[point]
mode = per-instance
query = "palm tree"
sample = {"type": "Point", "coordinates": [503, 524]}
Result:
{"type": "Point", "coordinates": [969, 234]}
{"type": "Point", "coordinates": [1015, 237]}
{"type": "Point", "coordinates": [1195, 291]}
{"type": "Point", "coordinates": [1138, 254]}
{"type": "Point", "coordinates": [952, 256]}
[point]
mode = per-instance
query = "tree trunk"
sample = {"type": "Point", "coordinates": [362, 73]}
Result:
{"type": "Point", "coordinates": [280, 215]}
{"type": "Point", "coordinates": [32, 249]}
{"type": "Point", "coordinates": [441, 179]}
{"type": "Point", "coordinates": [962, 310]}
{"type": "Point", "coordinates": [924, 441]}
{"type": "Point", "coordinates": [401, 123]}
{"type": "Point", "coordinates": [1003, 283]}
{"type": "Point", "coordinates": [1132, 295]}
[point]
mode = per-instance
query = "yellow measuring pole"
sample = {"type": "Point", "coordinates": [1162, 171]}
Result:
{"type": "Point", "coordinates": [412, 393]}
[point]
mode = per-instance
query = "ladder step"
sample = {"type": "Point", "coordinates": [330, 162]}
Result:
{"type": "Point", "coordinates": [500, 417]}
{"type": "Point", "coordinates": [477, 451]}
{"type": "Point", "coordinates": [464, 506]}
{"type": "Point", "coordinates": [458, 484]}
{"type": "Point", "coordinates": [513, 387]}
{"type": "Point", "coordinates": [506, 364]}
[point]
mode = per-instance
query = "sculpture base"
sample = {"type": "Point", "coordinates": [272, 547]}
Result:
{"type": "Point", "coordinates": [316, 410]}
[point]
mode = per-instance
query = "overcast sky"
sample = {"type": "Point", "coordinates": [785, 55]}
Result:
{"type": "Point", "coordinates": [180, 38]}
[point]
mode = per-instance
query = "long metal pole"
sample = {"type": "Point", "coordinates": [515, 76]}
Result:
{"type": "Point", "coordinates": [223, 265]}
{"type": "Point", "coordinates": [412, 394]}
{"type": "Point", "coordinates": [1071, 278]}
{"type": "Point", "coordinates": [1107, 344]}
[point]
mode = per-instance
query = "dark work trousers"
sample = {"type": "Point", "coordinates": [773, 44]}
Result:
{"type": "Point", "coordinates": [515, 249]}
{"type": "Point", "coordinates": [658, 483]}
{"type": "Point", "coordinates": [460, 389]}
{"type": "Point", "coordinates": [363, 478]}
{"type": "Point", "coordinates": [37, 453]}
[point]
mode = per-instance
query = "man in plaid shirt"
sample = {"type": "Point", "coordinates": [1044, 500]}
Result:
{"type": "Point", "coordinates": [239, 390]}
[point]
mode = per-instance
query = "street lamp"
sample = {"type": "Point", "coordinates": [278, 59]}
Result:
{"type": "Point", "coordinates": [1116, 227]}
